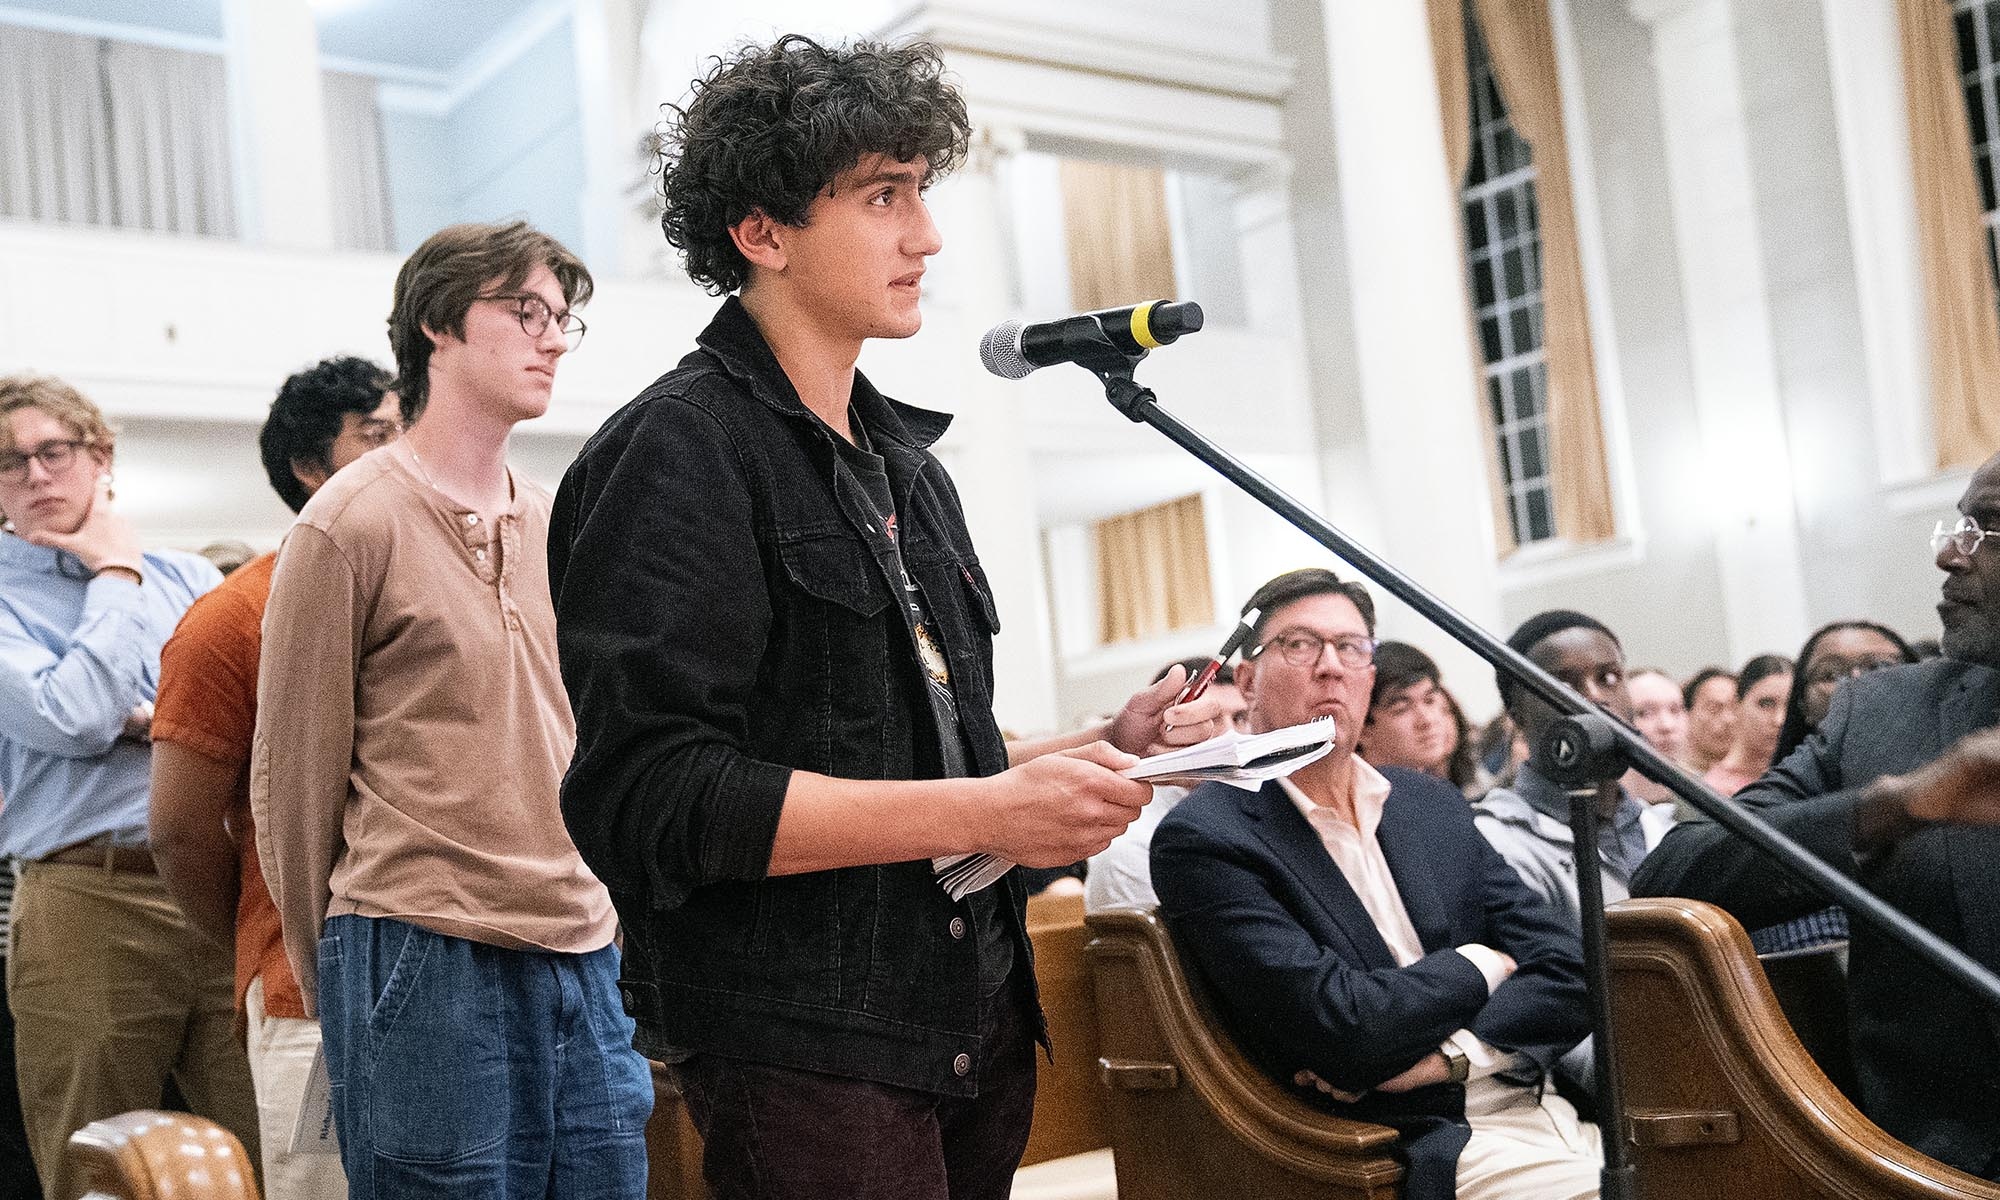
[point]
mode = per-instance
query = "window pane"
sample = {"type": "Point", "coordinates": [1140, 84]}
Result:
{"type": "Point", "coordinates": [1516, 278]}
{"type": "Point", "coordinates": [1541, 515]}
{"type": "Point", "coordinates": [1525, 331]}
{"type": "Point", "coordinates": [1527, 397]}
{"type": "Point", "coordinates": [1532, 462]}
{"type": "Point", "coordinates": [1489, 338]}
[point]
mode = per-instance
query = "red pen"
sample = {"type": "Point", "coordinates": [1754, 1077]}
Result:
{"type": "Point", "coordinates": [1202, 678]}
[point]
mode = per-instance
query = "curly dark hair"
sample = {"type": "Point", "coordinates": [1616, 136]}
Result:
{"type": "Point", "coordinates": [306, 418]}
{"type": "Point", "coordinates": [770, 127]}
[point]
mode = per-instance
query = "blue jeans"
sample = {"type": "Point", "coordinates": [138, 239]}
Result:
{"type": "Point", "coordinates": [463, 1069]}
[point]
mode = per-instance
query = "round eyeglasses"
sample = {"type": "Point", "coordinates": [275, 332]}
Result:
{"type": "Point", "coordinates": [1303, 649]}
{"type": "Point", "coordinates": [535, 315]}
{"type": "Point", "coordinates": [55, 458]}
{"type": "Point", "coordinates": [1966, 536]}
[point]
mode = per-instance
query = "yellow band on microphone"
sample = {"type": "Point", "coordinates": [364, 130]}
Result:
{"type": "Point", "coordinates": [1142, 326]}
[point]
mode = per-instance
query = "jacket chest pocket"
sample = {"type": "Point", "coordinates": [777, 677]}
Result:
{"type": "Point", "coordinates": [829, 653]}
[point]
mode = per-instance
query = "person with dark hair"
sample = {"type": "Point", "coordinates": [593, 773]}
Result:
{"type": "Point", "coordinates": [204, 842]}
{"type": "Point", "coordinates": [1364, 944]}
{"type": "Point", "coordinates": [1834, 654]}
{"type": "Point", "coordinates": [1761, 688]}
{"type": "Point", "coordinates": [1897, 786]}
{"type": "Point", "coordinates": [325, 417]}
{"type": "Point", "coordinates": [778, 639]}
{"type": "Point", "coordinates": [1710, 699]}
{"type": "Point", "coordinates": [1528, 820]}
{"type": "Point", "coordinates": [411, 737]}
{"type": "Point", "coordinates": [112, 991]}
{"type": "Point", "coordinates": [1414, 722]}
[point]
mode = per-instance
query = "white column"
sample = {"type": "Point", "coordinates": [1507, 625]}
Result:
{"type": "Point", "coordinates": [1738, 399]}
{"type": "Point", "coordinates": [278, 124]}
{"type": "Point", "coordinates": [1421, 433]}
{"type": "Point", "coordinates": [987, 451]}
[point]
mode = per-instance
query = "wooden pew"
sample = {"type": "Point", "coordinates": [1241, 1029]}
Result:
{"type": "Point", "coordinates": [1069, 1112]}
{"type": "Point", "coordinates": [1190, 1116]}
{"type": "Point", "coordinates": [149, 1155]}
{"type": "Point", "coordinates": [1721, 1098]}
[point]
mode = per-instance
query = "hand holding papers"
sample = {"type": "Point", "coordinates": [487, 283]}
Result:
{"type": "Point", "coordinates": [1243, 759]}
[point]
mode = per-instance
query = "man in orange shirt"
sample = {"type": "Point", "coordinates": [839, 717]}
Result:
{"type": "Point", "coordinates": [323, 419]}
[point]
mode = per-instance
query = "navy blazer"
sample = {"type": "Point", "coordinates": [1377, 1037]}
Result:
{"type": "Point", "coordinates": [1926, 1054]}
{"type": "Point", "coordinates": [1302, 979]}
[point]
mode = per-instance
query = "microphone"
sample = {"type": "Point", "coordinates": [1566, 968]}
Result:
{"type": "Point", "coordinates": [1108, 338]}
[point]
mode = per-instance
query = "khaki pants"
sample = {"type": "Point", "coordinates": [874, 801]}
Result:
{"type": "Point", "coordinates": [112, 991]}
{"type": "Point", "coordinates": [282, 1050]}
{"type": "Point", "coordinates": [1526, 1143]}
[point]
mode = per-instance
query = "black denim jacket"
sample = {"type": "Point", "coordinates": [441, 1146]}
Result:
{"type": "Point", "coordinates": [722, 621]}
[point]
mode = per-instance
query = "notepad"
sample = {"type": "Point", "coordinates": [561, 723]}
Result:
{"type": "Point", "coordinates": [1241, 759]}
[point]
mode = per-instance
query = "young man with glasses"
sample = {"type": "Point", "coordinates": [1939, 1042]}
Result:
{"type": "Point", "coordinates": [323, 419]}
{"type": "Point", "coordinates": [779, 642]}
{"type": "Point", "coordinates": [1900, 786]}
{"type": "Point", "coordinates": [1365, 946]}
{"type": "Point", "coordinates": [112, 990]}
{"type": "Point", "coordinates": [411, 738]}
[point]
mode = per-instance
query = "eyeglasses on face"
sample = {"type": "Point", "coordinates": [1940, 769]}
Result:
{"type": "Point", "coordinates": [535, 315]}
{"type": "Point", "coordinates": [1302, 648]}
{"type": "Point", "coordinates": [1965, 535]}
{"type": "Point", "coordinates": [55, 458]}
{"type": "Point", "coordinates": [1828, 672]}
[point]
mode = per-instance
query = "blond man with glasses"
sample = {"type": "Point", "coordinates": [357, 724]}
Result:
{"type": "Point", "coordinates": [111, 988]}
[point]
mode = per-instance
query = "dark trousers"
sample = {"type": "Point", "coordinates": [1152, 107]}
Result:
{"type": "Point", "coordinates": [775, 1133]}
{"type": "Point", "coordinates": [17, 1166]}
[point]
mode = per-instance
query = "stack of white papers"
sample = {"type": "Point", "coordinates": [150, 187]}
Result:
{"type": "Point", "coordinates": [1243, 759]}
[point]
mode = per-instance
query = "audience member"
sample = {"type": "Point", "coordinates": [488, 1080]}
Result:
{"type": "Point", "coordinates": [1660, 715]}
{"type": "Point", "coordinates": [411, 738]}
{"type": "Point", "coordinates": [1834, 654]}
{"type": "Point", "coordinates": [203, 840]}
{"type": "Point", "coordinates": [111, 989]}
{"type": "Point", "coordinates": [1886, 788]}
{"type": "Point", "coordinates": [1761, 688]}
{"type": "Point", "coordinates": [1414, 722]}
{"type": "Point", "coordinates": [779, 642]}
{"type": "Point", "coordinates": [1710, 699]}
{"type": "Point", "coordinates": [1364, 943]}
{"type": "Point", "coordinates": [1528, 821]}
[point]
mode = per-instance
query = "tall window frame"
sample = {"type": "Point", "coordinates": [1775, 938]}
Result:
{"type": "Point", "coordinates": [1519, 86]}
{"type": "Point", "coordinates": [1504, 263]}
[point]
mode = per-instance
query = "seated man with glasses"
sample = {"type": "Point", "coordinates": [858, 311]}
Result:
{"type": "Point", "coordinates": [1363, 943]}
{"type": "Point", "coordinates": [1890, 787]}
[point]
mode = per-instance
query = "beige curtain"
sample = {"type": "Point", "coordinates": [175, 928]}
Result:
{"type": "Point", "coordinates": [1521, 43]}
{"type": "Point", "coordinates": [1120, 242]}
{"type": "Point", "coordinates": [1152, 572]}
{"type": "Point", "coordinates": [1959, 301]}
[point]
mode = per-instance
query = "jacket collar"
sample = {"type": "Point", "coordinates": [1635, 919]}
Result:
{"type": "Point", "coordinates": [733, 340]}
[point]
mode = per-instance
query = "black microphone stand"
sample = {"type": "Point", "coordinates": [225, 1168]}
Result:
{"type": "Point", "coordinates": [1585, 752]}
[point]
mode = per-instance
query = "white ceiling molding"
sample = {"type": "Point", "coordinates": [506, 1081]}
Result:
{"type": "Point", "coordinates": [438, 95]}
{"type": "Point", "coordinates": [1199, 103]}
{"type": "Point", "coordinates": [1190, 66]}
{"type": "Point", "coordinates": [110, 30]}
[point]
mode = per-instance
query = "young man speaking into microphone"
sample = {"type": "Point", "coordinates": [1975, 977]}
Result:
{"type": "Point", "coordinates": [778, 643]}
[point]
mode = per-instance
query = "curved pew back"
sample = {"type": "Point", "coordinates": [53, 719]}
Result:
{"type": "Point", "coordinates": [1190, 1116]}
{"type": "Point", "coordinates": [1069, 1113]}
{"type": "Point", "coordinates": [148, 1155]}
{"type": "Point", "coordinates": [1721, 1098]}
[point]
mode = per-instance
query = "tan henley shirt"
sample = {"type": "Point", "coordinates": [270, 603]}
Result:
{"type": "Point", "coordinates": [412, 727]}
